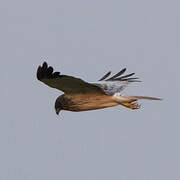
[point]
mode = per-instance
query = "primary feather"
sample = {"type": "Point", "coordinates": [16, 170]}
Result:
{"type": "Point", "coordinates": [116, 83]}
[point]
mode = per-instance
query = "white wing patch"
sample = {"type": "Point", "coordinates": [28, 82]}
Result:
{"type": "Point", "coordinates": [116, 83]}
{"type": "Point", "coordinates": [112, 87]}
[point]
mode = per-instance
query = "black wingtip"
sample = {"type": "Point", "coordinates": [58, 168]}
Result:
{"type": "Point", "coordinates": [118, 77]}
{"type": "Point", "coordinates": [118, 74]}
{"type": "Point", "coordinates": [45, 72]}
{"type": "Point", "coordinates": [38, 74]}
{"type": "Point", "coordinates": [105, 76]}
{"type": "Point", "coordinates": [45, 65]}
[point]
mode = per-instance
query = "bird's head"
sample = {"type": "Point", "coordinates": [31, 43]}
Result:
{"type": "Point", "coordinates": [59, 104]}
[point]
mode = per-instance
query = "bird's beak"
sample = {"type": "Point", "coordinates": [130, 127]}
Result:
{"type": "Point", "coordinates": [57, 111]}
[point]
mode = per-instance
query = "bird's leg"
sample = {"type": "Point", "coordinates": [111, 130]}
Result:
{"type": "Point", "coordinates": [131, 105]}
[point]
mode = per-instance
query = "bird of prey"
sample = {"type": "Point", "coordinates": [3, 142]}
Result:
{"type": "Point", "coordinates": [80, 95]}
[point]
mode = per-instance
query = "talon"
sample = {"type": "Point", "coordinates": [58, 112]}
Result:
{"type": "Point", "coordinates": [135, 105]}
{"type": "Point", "coordinates": [132, 105]}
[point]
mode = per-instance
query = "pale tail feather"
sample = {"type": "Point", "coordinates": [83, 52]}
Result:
{"type": "Point", "coordinates": [130, 101]}
{"type": "Point", "coordinates": [143, 97]}
{"type": "Point", "coordinates": [122, 98]}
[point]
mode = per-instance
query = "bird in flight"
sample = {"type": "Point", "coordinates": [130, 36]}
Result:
{"type": "Point", "coordinates": [80, 95]}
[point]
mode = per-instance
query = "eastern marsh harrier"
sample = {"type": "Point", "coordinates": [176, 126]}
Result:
{"type": "Point", "coordinates": [82, 96]}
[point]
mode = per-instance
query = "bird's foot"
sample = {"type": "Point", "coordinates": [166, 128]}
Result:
{"type": "Point", "coordinates": [132, 105]}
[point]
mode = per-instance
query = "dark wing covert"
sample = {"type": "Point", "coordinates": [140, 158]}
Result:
{"type": "Point", "coordinates": [67, 84]}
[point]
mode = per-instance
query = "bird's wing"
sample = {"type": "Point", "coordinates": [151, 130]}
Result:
{"type": "Point", "coordinates": [67, 84]}
{"type": "Point", "coordinates": [116, 83]}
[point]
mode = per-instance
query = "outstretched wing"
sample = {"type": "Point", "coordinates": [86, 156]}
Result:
{"type": "Point", "coordinates": [116, 83]}
{"type": "Point", "coordinates": [67, 84]}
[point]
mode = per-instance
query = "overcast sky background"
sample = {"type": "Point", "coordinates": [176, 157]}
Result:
{"type": "Point", "coordinates": [86, 39]}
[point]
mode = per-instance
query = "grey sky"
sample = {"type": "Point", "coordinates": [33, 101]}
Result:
{"type": "Point", "coordinates": [86, 39]}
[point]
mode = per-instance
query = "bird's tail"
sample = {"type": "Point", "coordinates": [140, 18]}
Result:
{"type": "Point", "coordinates": [131, 101]}
{"type": "Point", "coordinates": [142, 97]}
{"type": "Point", "coordinates": [124, 98]}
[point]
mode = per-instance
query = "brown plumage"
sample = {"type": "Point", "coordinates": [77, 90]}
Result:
{"type": "Point", "coordinates": [82, 96]}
